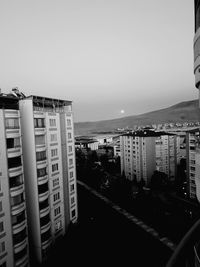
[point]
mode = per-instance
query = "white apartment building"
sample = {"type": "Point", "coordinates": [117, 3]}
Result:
{"type": "Point", "coordinates": [193, 160]}
{"type": "Point", "coordinates": [50, 171]}
{"type": "Point", "coordinates": [168, 154]}
{"type": "Point", "coordinates": [14, 248]}
{"type": "Point", "coordinates": [143, 152]}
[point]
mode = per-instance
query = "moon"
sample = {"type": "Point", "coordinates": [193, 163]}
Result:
{"type": "Point", "coordinates": [122, 111]}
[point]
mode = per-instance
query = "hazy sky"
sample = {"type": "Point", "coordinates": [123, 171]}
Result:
{"type": "Point", "coordinates": [104, 55]}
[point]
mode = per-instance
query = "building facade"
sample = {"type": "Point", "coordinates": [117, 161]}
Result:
{"type": "Point", "coordinates": [143, 152]}
{"type": "Point", "coordinates": [14, 247]}
{"type": "Point", "coordinates": [49, 168]}
{"type": "Point", "coordinates": [196, 45]}
{"type": "Point", "coordinates": [192, 161]}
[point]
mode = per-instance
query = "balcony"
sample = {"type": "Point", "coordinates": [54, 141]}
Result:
{"type": "Point", "coordinates": [44, 212]}
{"type": "Point", "coordinates": [40, 131]}
{"type": "Point", "coordinates": [14, 152]}
{"type": "Point", "coordinates": [45, 227]}
{"type": "Point", "coordinates": [18, 189]}
{"type": "Point", "coordinates": [41, 172]}
{"type": "Point", "coordinates": [18, 219]}
{"type": "Point", "coordinates": [43, 196]}
{"type": "Point", "coordinates": [19, 227]}
{"type": "Point", "coordinates": [16, 181]}
{"type": "Point", "coordinates": [46, 237]}
{"type": "Point", "coordinates": [40, 148]}
{"type": "Point", "coordinates": [22, 262]}
{"type": "Point", "coordinates": [17, 203]}
{"type": "Point", "coordinates": [21, 256]}
{"type": "Point", "coordinates": [20, 239]}
{"type": "Point", "coordinates": [15, 171]}
{"type": "Point", "coordinates": [43, 188]}
{"type": "Point", "coordinates": [47, 243]}
{"type": "Point", "coordinates": [42, 164]}
{"type": "Point", "coordinates": [42, 180]}
{"type": "Point", "coordinates": [44, 207]}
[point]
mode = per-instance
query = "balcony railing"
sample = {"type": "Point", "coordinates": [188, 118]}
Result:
{"type": "Point", "coordinates": [187, 253]}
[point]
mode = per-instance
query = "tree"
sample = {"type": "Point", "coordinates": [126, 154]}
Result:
{"type": "Point", "coordinates": [159, 181]}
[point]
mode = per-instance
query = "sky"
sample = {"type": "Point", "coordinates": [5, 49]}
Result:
{"type": "Point", "coordinates": [111, 58]}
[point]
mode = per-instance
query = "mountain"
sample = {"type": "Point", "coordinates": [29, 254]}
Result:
{"type": "Point", "coordinates": [181, 112]}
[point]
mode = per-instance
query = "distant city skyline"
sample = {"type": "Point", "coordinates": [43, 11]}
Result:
{"type": "Point", "coordinates": [112, 58]}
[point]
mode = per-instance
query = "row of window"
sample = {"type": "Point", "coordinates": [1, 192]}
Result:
{"type": "Point", "coordinates": [40, 122]}
{"type": "Point", "coordinates": [40, 139]}
{"type": "Point", "coordinates": [13, 142]}
{"type": "Point", "coordinates": [55, 167]}
{"type": "Point", "coordinates": [52, 122]}
{"type": "Point", "coordinates": [56, 196]}
{"type": "Point", "coordinates": [12, 123]}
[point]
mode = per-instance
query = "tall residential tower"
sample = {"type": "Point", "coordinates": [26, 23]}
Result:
{"type": "Point", "coordinates": [197, 46]}
{"type": "Point", "coordinates": [50, 172]}
{"type": "Point", "coordinates": [14, 249]}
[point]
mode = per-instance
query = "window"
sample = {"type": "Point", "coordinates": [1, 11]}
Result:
{"type": "Point", "coordinates": [1, 207]}
{"type": "Point", "coordinates": [73, 213]}
{"type": "Point", "coordinates": [39, 123]}
{"type": "Point", "coordinates": [43, 188]}
{"type": "Point", "coordinates": [18, 218]}
{"type": "Point", "coordinates": [41, 172]}
{"type": "Point", "coordinates": [72, 187]}
{"type": "Point", "coordinates": [54, 167]}
{"type": "Point", "coordinates": [69, 123]}
{"type": "Point", "coordinates": [58, 225]}
{"type": "Point", "coordinates": [12, 123]}
{"type": "Point", "coordinates": [54, 152]}
{"type": "Point", "coordinates": [14, 162]}
{"type": "Point", "coordinates": [56, 196]}
{"type": "Point", "coordinates": [20, 254]}
{"type": "Point", "coordinates": [71, 175]}
{"type": "Point", "coordinates": [70, 161]}
{"type": "Point", "coordinates": [46, 235]}
{"type": "Point", "coordinates": [2, 247]}
{"type": "Point", "coordinates": [72, 200]}
{"type": "Point", "coordinates": [16, 200]}
{"type": "Point", "coordinates": [44, 220]}
{"type": "Point", "coordinates": [57, 211]}
{"type": "Point", "coordinates": [70, 149]}
{"type": "Point", "coordinates": [40, 140]}
{"type": "Point", "coordinates": [52, 122]}
{"type": "Point", "coordinates": [1, 227]}
{"type": "Point", "coordinates": [13, 142]}
{"type": "Point", "coordinates": [44, 204]}
{"type": "Point", "coordinates": [55, 182]}
{"type": "Point", "coordinates": [53, 137]}
{"type": "Point", "coordinates": [69, 135]}
{"type": "Point", "coordinates": [19, 237]}
{"type": "Point", "coordinates": [40, 155]}
{"type": "Point", "coordinates": [16, 181]}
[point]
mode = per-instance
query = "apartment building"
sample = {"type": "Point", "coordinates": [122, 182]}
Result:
{"type": "Point", "coordinates": [49, 168]}
{"type": "Point", "coordinates": [86, 143]}
{"type": "Point", "coordinates": [196, 45]}
{"type": "Point", "coordinates": [192, 160]}
{"type": "Point", "coordinates": [143, 152]}
{"type": "Point", "coordinates": [14, 248]}
{"type": "Point", "coordinates": [168, 154]}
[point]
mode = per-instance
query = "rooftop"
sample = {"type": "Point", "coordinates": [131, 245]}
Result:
{"type": "Point", "coordinates": [8, 101]}
{"type": "Point", "coordinates": [49, 102]}
{"type": "Point", "coordinates": [147, 133]}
